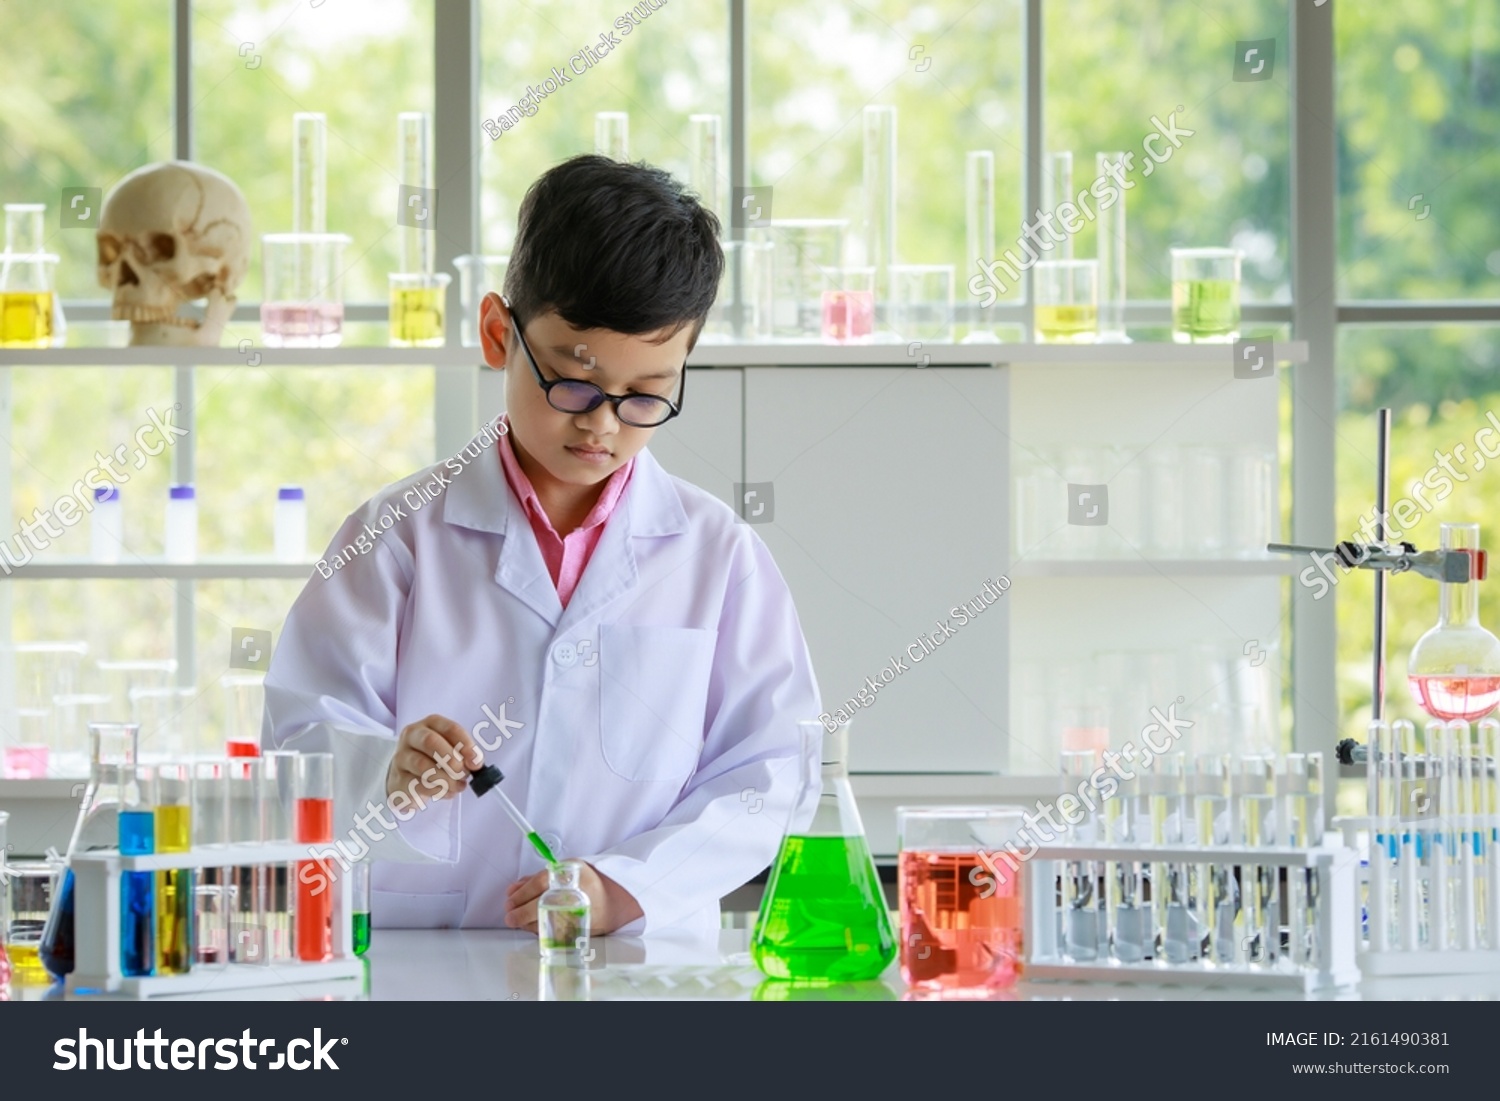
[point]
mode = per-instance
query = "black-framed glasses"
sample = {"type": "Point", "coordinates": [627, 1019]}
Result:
{"type": "Point", "coordinates": [572, 395]}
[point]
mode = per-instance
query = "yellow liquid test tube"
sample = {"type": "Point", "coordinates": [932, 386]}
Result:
{"type": "Point", "coordinates": [174, 888]}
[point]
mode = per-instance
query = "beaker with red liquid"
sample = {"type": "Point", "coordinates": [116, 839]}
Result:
{"type": "Point", "coordinates": [1454, 669]}
{"type": "Point", "coordinates": [960, 899]}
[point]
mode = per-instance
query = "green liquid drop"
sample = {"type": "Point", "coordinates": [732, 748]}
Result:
{"type": "Point", "coordinates": [541, 846]}
{"type": "Point", "coordinates": [824, 917]}
{"type": "Point", "coordinates": [361, 933]}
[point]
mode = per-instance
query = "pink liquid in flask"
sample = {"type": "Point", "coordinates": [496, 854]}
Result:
{"type": "Point", "coordinates": [1446, 696]}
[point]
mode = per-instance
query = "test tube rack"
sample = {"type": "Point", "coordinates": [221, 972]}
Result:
{"type": "Point", "coordinates": [1475, 954]}
{"type": "Point", "coordinates": [1336, 867]}
{"type": "Point", "coordinates": [98, 971]}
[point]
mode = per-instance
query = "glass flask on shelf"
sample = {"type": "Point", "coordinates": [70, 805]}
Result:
{"type": "Point", "coordinates": [563, 916]}
{"type": "Point", "coordinates": [824, 917]}
{"type": "Point", "coordinates": [112, 752]}
{"type": "Point", "coordinates": [30, 313]}
{"type": "Point", "coordinates": [1454, 669]}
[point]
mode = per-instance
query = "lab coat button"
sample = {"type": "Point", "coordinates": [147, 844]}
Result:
{"type": "Point", "coordinates": [565, 654]}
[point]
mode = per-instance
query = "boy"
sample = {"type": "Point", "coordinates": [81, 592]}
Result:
{"type": "Point", "coordinates": [551, 601]}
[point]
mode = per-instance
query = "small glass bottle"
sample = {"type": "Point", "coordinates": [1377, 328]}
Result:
{"type": "Point", "coordinates": [107, 528]}
{"type": "Point", "coordinates": [563, 916]}
{"type": "Point", "coordinates": [182, 524]}
{"type": "Point", "coordinates": [291, 524]}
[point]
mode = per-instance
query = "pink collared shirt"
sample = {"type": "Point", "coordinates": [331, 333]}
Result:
{"type": "Point", "coordinates": [566, 555]}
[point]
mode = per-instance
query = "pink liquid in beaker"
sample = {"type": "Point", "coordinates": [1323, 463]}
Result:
{"type": "Point", "coordinates": [1445, 696]}
{"type": "Point", "coordinates": [960, 925]}
{"type": "Point", "coordinates": [302, 324]}
{"type": "Point", "coordinates": [25, 762]}
{"type": "Point", "coordinates": [848, 315]}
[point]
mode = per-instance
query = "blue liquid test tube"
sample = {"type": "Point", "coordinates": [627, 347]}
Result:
{"type": "Point", "coordinates": [137, 797]}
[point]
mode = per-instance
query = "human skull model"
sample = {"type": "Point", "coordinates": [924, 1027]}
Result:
{"type": "Point", "coordinates": [170, 234]}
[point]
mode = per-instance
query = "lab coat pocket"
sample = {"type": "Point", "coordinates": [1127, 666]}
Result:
{"type": "Point", "coordinates": [432, 910]}
{"type": "Point", "coordinates": [653, 698]}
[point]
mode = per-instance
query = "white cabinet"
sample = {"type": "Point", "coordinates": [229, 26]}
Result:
{"type": "Point", "coordinates": [705, 445]}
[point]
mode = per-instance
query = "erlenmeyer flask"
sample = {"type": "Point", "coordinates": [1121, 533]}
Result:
{"type": "Point", "coordinates": [1454, 669]}
{"type": "Point", "coordinates": [824, 917]}
{"type": "Point", "coordinates": [30, 315]}
{"type": "Point", "coordinates": [112, 749]}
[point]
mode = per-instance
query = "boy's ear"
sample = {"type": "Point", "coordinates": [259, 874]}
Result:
{"type": "Point", "coordinates": [494, 330]}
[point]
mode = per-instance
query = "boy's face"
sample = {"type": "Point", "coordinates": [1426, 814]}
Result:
{"type": "Point", "coordinates": [576, 449]}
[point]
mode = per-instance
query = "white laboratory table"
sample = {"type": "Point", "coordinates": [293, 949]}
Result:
{"type": "Point", "coordinates": [503, 965]}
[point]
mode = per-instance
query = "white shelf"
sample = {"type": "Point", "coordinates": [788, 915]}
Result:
{"type": "Point", "coordinates": [762, 354]}
{"type": "Point", "coordinates": [1161, 567]}
{"type": "Point", "coordinates": [250, 569]}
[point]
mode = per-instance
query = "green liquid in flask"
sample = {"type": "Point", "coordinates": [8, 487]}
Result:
{"type": "Point", "coordinates": [824, 917]}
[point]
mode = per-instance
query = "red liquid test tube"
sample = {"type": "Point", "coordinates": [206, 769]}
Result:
{"type": "Point", "coordinates": [315, 878]}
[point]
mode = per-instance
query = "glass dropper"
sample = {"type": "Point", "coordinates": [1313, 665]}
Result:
{"type": "Point", "coordinates": [488, 778]}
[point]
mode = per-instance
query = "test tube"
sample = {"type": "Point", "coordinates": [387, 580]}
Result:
{"type": "Point", "coordinates": [1434, 835]}
{"type": "Point", "coordinates": [703, 168]}
{"type": "Point", "coordinates": [278, 783]}
{"type": "Point", "coordinates": [137, 796]}
{"type": "Point", "coordinates": [360, 925]}
{"type": "Point", "coordinates": [1460, 809]}
{"type": "Point", "coordinates": [174, 887]}
{"type": "Point", "coordinates": [1169, 821]}
{"type": "Point", "coordinates": [309, 172]}
{"type": "Point", "coordinates": [1132, 935]}
{"type": "Point", "coordinates": [1212, 811]}
{"type": "Point", "coordinates": [412, 141]}
{"type": "Point", "coordinates": [1301, 793]}
{"type": "Point", "coordinates": [879, 174]}
{"type": "Point", "coordinates": [1057, 184]}
{"type": "Point", "coordinates": [246, 925]}
{"type": "Point", "coordinates": [211, 830]}
{"type": "Point", "coordinates": [1255, 784]}
{"type": "Point", "coordinates": [1408, 871]}
{"type": "Point", "coordinates": [315, 878]}
{"type": "Point", "coordinates": [1489, 825]}
{"type": "Point", "coordinates": [612, 135]}
{"type": "Point", "coordinates": [1081, 928]}
{"type": "Point", "coordinates": [1377, 735]}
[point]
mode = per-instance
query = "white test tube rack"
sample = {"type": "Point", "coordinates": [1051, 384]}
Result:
{"type": "Point", "coordinates": [1413, 958]}
{"type": "Point", "coordinates": [96, 903]}
{"type": "Point", "coordinates": [1335, 864]}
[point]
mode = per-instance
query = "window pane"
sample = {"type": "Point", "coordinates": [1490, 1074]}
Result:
{"type": "Point", "coordinates": [1110, 71]}
{"type": "Point", "coordinates": [258, 62]}
{"type": "Point", "coordinates": [86, 97]}
{"type": "Point", "coordinates": [1442, 386]}
{"type": "Point", "coordinates": [952, 71]}
{"type": "Point", "coordinates": [659, 68]}
{"type": "Point", "coordinates": [1419, 124]}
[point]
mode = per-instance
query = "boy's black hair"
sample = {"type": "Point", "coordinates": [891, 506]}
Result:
{"type": "Point", "coordinates": [615, 246]}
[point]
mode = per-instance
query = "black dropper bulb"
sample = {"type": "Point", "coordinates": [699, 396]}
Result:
{"type": "Point", "coordinates": [482, 779]}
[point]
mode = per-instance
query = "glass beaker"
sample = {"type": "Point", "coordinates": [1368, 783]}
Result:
{"type": "Point", "coordinates": [746, 300]}
{"type": "Point", "coordinates": [1454, 669]}
{"type": "Point", "coordinates": [1067, 301]}
{"type": "Point", "coordinates": [921, 298]}
{"type": "Point", "coordinates": [1205, 295]}
{"type": "Point", "coordinates": [303, 304]}
{"type": "Point", "coordinates": [803, 248]}
{"type": "Point", "coordinates": [30, 316]}
{"type": "Point", "coordinates": [824, 917]}
{"type": "Point", "coordinates": [113, 748]}
{"type": "Point", "coordinates": [562, 916]}
{"type": "Point", "coordinates": [612, 134]}
{"type": "Point", "coordinates": [848, 304]}
{"type": "Point", "coordinates": [418, 308]}
{"type": "Point", "coordinates": [31, 886]}
{"type": "Point", "coordinates": [477, 277]}
{"type": "Point", "coordinates": [960, 898]}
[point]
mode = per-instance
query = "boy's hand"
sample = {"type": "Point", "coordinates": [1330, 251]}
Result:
{"type": "Point", "coordinates": [610, 905]}
{"type": "Point", "coordinates": [433, 759]}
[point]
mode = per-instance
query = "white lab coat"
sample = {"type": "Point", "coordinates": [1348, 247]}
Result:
{"type": "Point", "coordinates": [650, 728]}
